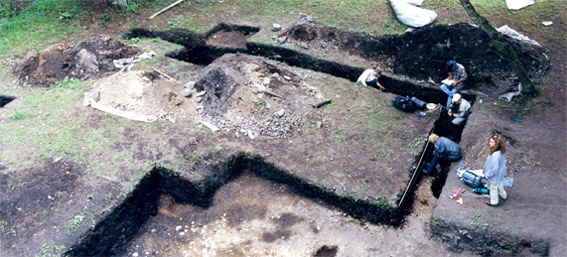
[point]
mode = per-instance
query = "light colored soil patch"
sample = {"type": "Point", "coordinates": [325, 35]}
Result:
{"type": "Point", "coordinates": [254, 217]}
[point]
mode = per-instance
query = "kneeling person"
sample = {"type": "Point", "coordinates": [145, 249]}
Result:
{"type": "Point", "coordinates": [370, 78]}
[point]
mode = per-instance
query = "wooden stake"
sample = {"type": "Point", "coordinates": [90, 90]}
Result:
{"type": "Point", "coordinates": [165, 9]}
{"type": "Point", "coordinates": [163, 74]}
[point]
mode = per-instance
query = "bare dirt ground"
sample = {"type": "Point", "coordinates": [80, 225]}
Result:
{"type": "Point", "coordinates": [357, 146]}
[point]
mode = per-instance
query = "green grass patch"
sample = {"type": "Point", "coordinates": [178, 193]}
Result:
{"type": "Point", "coordinates": [41, 23]}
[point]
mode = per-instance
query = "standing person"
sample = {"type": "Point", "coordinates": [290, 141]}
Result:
{"type": "Point", "coordinates": [459, 110]}
{"type": "Point", "coordinates": [445, 151]}
{"type": "Point", "coordinates": [370, 78]}
{"type": "Point", "coordinates": [495, 170]}
{"type": "Point", "coordinates": [456, 76]}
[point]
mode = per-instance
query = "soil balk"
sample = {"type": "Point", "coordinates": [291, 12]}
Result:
{"type": "Point", "coordinates": [422, 53]}
{"type": "Point", "coordinates": [111, 235]}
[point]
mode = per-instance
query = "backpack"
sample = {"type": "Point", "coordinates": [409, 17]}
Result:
{"type": "Point", "coordinates": [472, 180]}
{"type": "Point", "coordinates": [404, 104]}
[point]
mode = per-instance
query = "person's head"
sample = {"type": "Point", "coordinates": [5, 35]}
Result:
{"type": "Point", "coordinates": [450, 65]}
{"type": "Point", "coordinates": [496, 143]}
{"type": "Point", "coordinates": [457, 98]}
{"type": "Point", "coordinates": [433, 138]}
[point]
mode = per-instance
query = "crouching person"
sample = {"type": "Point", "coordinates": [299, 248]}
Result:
{"type": "Point", "coordinates": [370, 78]}
{"type": "Point", "coordinates": [459, 110]}
{"type": "Point", "coordinates": [446, 151]}
{"type": "Point", "coordinates": [495, 170]}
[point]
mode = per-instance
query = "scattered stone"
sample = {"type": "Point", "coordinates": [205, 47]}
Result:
{"type": "Point", "coordinates": [261, 88]}
{"type": "Point", "coordinates": [181, 233]}
{"type": "Point", "coordinates": [250, 134]}
{"type": "Point", "coordinates": [281, 112]}
{"type": "Point", "coordinates": [319, 124]}
{"type": "Point", "coordinates": [135, 254]}
{"type": "Point", "coordinates": [286, 77]}
{"type": "Point", "coordinates": [187, 92]}
{"type": "Point", "coordinates": [202, 93]}
{"type": "Point", "coordinates": [281, 40]}
{"type": "Point", "coordinates": [190, 85]}
{"type": "Point", "coordinates": [276, 27]}
{"type": "Point", "coordinates": [213, 128]}
{"type": "Point", "coordinates": [178, 228]}
{"type": "Point", "coordinates": [304, 46]}
{"type": "Point", "coordinates": [547, 23]}
{"type": "Point", "coordinates": [266, 81]}
{"type": "Point", "coordinates": [198, 99]}
{"type": "Point", "coordinates": [309, 18]}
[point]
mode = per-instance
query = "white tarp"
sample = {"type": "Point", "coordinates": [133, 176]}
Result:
{"type": "Point", "coordinates": [408, 13]}
{"type": "Point", "coordinates": [507, 31]}
{"type": "Point", "coordinates": [518, 4]}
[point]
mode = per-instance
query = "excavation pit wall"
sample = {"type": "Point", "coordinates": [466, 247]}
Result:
{"type": "Point", "coordinates": [111, 235]}
{"type": "Point", "coordinates": [4, 100]}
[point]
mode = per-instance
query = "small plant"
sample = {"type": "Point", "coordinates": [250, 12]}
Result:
{"type": "Point", "coordinates": [365, 180]}
{"type": "Point", "coordinates": [135, 40]}
{"type": "Point", "coordinates": [105, 17]}
{"type": "Point", "coordinates": [74, 224]}
{"type": "Point", "coordinates": [132, 7]}
{"type": "Point", "coordinates": [65, 16]}
{"type": "Point", "coordinates": [261, 104]}
{"type": "Point", "coordinates": [17, 115]}
{"type": "Point", "coordinates": [90, 196]}
{"type": "Point", "coordinates": [69, 83]}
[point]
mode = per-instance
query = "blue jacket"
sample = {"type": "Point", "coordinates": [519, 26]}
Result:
{"type": "Point", "coordinates": [446, 149]}
{"type": "Point", "coordinates": [495, 167]}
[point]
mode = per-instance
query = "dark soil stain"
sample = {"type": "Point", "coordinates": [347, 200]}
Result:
{"type": "Point", "coordinates": [271, 237]}
{"type": "Point", "coordinates": [327, 251]}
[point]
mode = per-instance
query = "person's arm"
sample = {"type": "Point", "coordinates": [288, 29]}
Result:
{"type": "Point", "coordinates": [461, 75]}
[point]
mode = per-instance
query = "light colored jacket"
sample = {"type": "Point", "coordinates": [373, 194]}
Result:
{"type": "Point", "coordinates": [495, 167]}
{"type": "Point", "coordinates": [366, 76]}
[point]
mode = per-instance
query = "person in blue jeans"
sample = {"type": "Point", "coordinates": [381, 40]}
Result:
{"type": "Point", "coordinates": [457, 75]}
{"type": "Point", "coordinates": [445, 151]}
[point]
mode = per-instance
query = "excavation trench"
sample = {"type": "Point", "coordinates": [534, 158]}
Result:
{"type": "Point", "coordinates": [113, 233]}
{"type": "Point", "coordinates": [201, 50]}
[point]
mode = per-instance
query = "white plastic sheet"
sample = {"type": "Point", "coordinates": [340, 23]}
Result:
{"type": "Point", "coordinates": [408, 13]}
{"type": "Point", "coordinates": [518, 4]}
{"type": "Point", "coordinates": [505, 30]}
